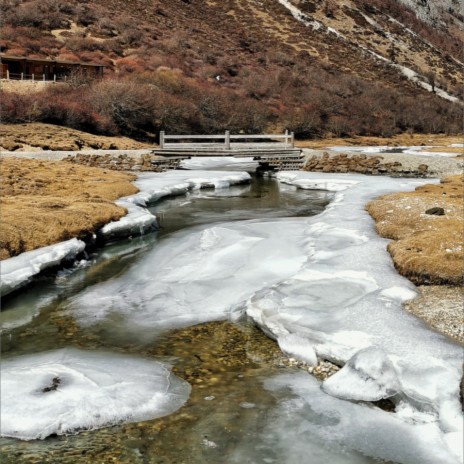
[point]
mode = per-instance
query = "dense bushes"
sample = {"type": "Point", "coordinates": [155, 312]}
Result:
{"type": "Point", "coordinates": [312, 105]}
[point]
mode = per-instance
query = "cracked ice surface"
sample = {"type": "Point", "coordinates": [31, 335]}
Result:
{"type": "Point", "coordinates": [69, 390]}
{"type": "Point", "coordinates": [197, 275]}
{"type": "Point", "coordinates": [347, 304]}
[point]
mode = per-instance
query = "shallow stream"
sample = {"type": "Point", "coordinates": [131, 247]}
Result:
{"type": "Point", "coordinates": [230, 416]}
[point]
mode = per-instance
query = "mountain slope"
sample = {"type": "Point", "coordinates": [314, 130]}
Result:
{"type": "Point", "coordinates": [282, 53]}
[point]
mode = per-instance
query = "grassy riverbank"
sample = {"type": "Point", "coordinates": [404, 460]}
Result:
{"type": "Point", "coordinates": [39, 136]}
{"type": "Point", "coordinates": [426, 248]}
{"type": "Point", "coordinates": [46, 202]}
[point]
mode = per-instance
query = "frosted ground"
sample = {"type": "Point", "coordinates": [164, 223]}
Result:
{"type": "Point", "coordinates": [323, 287]}
{"type": "Point", "coordinates": [407, 150]}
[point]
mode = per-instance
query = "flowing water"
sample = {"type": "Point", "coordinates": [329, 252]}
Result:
{"type": "Point", "coordinates": [230, 415]}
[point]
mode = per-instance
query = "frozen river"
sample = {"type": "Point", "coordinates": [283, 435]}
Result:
{"type": "Point", "coordinates": [157, 336]}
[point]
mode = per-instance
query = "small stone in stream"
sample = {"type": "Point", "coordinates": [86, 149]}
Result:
{"type": "Point", "coordinates": [436, 211]}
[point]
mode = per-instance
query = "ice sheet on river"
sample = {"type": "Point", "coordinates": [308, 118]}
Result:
{"type": "Point", "coordinates": [308, 417]}
{"type": "Point", "coordinates": [346, 301]}
{"type": "Point", "coordinates": [321, 285]}
{"type": "Point", "coordinates": [408, 150]}
{"type": "Point", "coordinates": [65, 391]}
{"type": "Point", "coordinates": [196, 276]}
{"type": "Point", "coordinates": [19, 270]}
{"type": "Point", "coordinates": [154, 186]}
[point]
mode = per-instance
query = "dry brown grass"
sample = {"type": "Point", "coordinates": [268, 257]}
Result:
{"type": "Point", "coordinates": [427, 249]}
{"type": "Point", "coordinates": [38, 136]}
{"type": "Point", "coordinates": [45, 202]}
{"type": "Point", "coordinates": [397, 140]}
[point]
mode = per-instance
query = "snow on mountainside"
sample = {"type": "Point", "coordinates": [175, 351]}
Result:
{"type": "Point", "coordinates": [392, 46]}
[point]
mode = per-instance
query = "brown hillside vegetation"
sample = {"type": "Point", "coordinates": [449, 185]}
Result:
{"type": "Point", "coordinates": [47, 202]}
{"type": "Point", "coordinates": [427, 249]}
{"type": "Point", "coordinates": [190, 65]}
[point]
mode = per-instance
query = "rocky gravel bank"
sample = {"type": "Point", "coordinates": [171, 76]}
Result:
{"type": "Point", "coordinates": [386, 164]}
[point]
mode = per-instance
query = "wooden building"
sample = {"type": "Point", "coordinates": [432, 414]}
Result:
{"type": "Point", "coordinates": [16, 67]}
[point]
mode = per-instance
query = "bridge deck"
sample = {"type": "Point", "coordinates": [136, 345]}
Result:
{"type": "Point", "coordinates": [237, 150]}
{"type": "Point", "coordinates": [271, 153]}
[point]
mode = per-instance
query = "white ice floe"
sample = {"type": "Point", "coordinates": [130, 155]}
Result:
{"type": "Point", "coordinates": [19, 270]}
{"type": "Point", "coordinates": [434, 154]}
{"type": "Point", "coordinates": [154, 186]}
{"type": "Point", "coordinates": [137, 221]}
{"type": "Point", "coordinates": [196, 276]}
{"type": "Point", "coordinates": [66, 391]}
{"type": "Point", "coordinates": [369, 376]}
{"type": "Point", "coordinates": [299, 347]}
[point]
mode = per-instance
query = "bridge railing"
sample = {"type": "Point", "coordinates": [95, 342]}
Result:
{"type": "Point", "coordinates": [225, 141]}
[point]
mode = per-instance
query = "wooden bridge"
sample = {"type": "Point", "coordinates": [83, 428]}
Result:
{"type": "Point", "coordinates": [272, 151]}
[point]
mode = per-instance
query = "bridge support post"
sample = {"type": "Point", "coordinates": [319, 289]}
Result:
{"type": "Point", "coordinates": [292, 138]}
{"type": "Point", "coordinates": [162, 139]}
{"type": "Point", "coordinates": [286, 136]}
{"type": "Point", "coordinates": [227, 140]}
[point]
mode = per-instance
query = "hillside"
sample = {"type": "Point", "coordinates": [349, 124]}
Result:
{"type": "Point", "coordinates": [322, 66]}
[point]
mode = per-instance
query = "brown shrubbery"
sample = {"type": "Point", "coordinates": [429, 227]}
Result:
{"type": "Point", "coordinates": [313, 104]}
